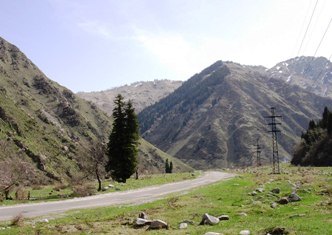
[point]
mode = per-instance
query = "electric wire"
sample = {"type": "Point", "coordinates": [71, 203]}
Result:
{"type": "Point", "coordinates": [321, 40]}
{"type": "Point", "coordinates": [306, 31]}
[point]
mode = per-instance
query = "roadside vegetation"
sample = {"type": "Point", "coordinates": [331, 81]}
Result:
{"type": "Point", "coordinates": [61, 191]}
{"type": "Point", "coordinates": [234, 197]}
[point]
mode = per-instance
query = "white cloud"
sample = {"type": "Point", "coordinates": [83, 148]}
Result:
{"type": "Point", "coordinates": [182, 56]}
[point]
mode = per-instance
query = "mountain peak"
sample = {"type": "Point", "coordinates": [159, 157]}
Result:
{"type": "Point", "coordinates": [311, 73]}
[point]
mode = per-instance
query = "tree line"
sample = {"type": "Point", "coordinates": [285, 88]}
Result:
{"type": "Point", "coordinates": [315, 148]}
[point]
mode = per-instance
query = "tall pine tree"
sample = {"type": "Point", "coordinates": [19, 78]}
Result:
{"type": "Point", "coordinates": [123, 141]}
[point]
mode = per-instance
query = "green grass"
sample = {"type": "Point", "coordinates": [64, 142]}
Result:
{"type": "Point", "coordinates": [312, 215]}
{"type": "Point", "coordinates": [49, 193]}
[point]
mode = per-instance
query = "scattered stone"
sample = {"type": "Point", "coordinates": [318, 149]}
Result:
{"type": "Point", "coordinates": [143, 215]}
{"type": "Point", "coordinates": [209, 219]}
{"type": "Point", "coordinates": [277, 231]}
{"type": "Point", "coordinates": [253, 193]}
{"type": "Point", "coordinates": [142, 222]}
{"type": "Point", "coordinates": [188, 222]}
{"type": "Point", "coordinates": [183, 225]}
{"type": "Point", "coordinates": [273, 205]}
{"type": "Point", "coordinates": [275, 190]}
{"type": "Point", "coordinates": [223, 217]}
{"type": "Point", "coordinates": [212, 233]}
{"type": "Point", "coordinates": [243, 214]}
{"type": "Point", "coordinates": [44, 221]}
{"type": "Point", "coordinates": [158, 224]}
{"type": "Point", "coordinates": [111, 186]}
{"type": "Point", "coordinates": [294, 198]}
{"type": "Point", "coordinates": [260, 190]}
{"type": "Point", "coordinates": [244, 232]}
{"type": "Point", "coordinates": [283, 201]}
{"type": "Point", "coordinates": [104, 188]}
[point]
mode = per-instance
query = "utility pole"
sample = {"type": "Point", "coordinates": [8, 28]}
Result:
{"type": "Point", "coordinates": [258, 153]}
{"type": "Point", "coordinates": [274, 131]}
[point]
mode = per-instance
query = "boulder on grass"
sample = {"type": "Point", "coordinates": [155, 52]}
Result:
{"type": "Point", "coordinates": [283, 201]}
{"type": "Point", "coordinates": [275, 190]}
{"type": "Point", "coordinates": [142, 222]}
{"type": "Point", "coordinates": [244, 232]}
{"type": "Point", "coordinates": [223, 217]}
{"type": "Point", "coordinates": [142, 215]}
{"type": "Point", "coordinates": [209, 219]}
{"type": "Point", "coordinates": [183, 225]}
{"type": "Point", "coordinates": [260, 190]}
{"type": "Point", "coordinates": [158, 224]}
{"type": "Point", "coordinates": [294, 197]}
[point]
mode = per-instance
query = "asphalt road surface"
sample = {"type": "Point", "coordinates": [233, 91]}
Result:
{"type": "Point", "coordinates": [138, 196]}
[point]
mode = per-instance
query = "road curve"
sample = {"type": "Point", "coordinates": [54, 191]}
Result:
{"type": "Point", "coordinates": [137, 196]}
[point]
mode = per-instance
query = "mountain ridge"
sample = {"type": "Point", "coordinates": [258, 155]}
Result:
{"type": "Point", "coordinates": [141, 93]}
{"type": "Point", "coordinates": [49, 128]}
{"type": "Point", "coordinates": [214, 118]}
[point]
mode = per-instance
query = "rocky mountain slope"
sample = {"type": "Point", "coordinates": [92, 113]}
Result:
{"type": "Point", "coordinates": [143, 94]}
{"type": "Point", "coordinates": [311, 73]}
{"type": "Point", "coordinates": [49, 127]}
{"type": "Point", "coordinates": [214, 118]}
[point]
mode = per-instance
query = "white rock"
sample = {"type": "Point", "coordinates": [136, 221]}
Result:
{"type": "Point", "coordinates": [213, 233]}
{"type": "Point", "coordinates": [209, 219]}
{"type": "Point", "coordinates": [142, 222]}
{"type": "Point", "coordinates": [111, 186]}
{"type": "Point", "coordinates": [260, 190]}
{"type": "Point", "coordinates": [44, 220]}
{"type": "Point", "coordinates": [244, 232]}
{"type": "Point", "coordinates": [183, 226]}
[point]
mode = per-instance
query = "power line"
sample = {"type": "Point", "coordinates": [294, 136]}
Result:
{"type": "Point", "coordinates": [321, 40]}
{"type": "Point", "coordinates": [305, 34]}
{"type": "Point", "coordinates": [274, 131]}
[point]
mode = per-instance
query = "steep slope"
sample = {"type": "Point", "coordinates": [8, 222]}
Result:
{"type": "Point", "coordinates": [46, 125]}
{"type": "Point", "coordinates": [214, 119]}
{"type": "Point", "coordinates": [142, 94]}
{"type": "Point", "coordinates": [311, 73]}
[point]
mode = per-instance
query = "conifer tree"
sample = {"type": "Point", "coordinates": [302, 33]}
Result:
{"type": "Point", "coordinates": [166, 166]}
{"type": "Point", "coordinates": [171, 167]}
{"type": "Point", "coordinates": [123, 141]}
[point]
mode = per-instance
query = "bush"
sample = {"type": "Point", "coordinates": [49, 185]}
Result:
{"type": "Point", "coordinates": [59, 187]}
{"type": "Point", "coordinates": [21, 194]}
{"type": "Point", "coordinates": [83, 190]}
{"type": "Point", "coordinates": [18, 220]}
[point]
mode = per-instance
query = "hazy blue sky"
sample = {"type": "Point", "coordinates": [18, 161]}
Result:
{"type": "Point", "coordinates": [90, 45]}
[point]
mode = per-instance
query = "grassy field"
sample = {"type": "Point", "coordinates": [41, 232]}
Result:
{"type": "Point", "coordinates": [311, 215]}
{"type": "Point", "coordinates": [60, 192]}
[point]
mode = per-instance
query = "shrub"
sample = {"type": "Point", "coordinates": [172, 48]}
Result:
{"type": "Point", "coordinates": [18, 220]}
{"type": "Point", "coordinates": [83, 190]}
{"type": "Point", "coordinates": [21, 194]}
{"type": "Point", "coordinates": [59, 187]}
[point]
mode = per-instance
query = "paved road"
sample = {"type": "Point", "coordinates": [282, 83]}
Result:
{"type": "Point", "coordinates": [138, 196]}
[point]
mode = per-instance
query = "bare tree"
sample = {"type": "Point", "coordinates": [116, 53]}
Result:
{"type": "Point", "coordinates": [13, 172]}
{"type": "Point", "coordinates": [95, 164]}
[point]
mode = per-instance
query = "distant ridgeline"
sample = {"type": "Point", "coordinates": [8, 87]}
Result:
{"type": "Point", "coordinates": [315, 148]}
